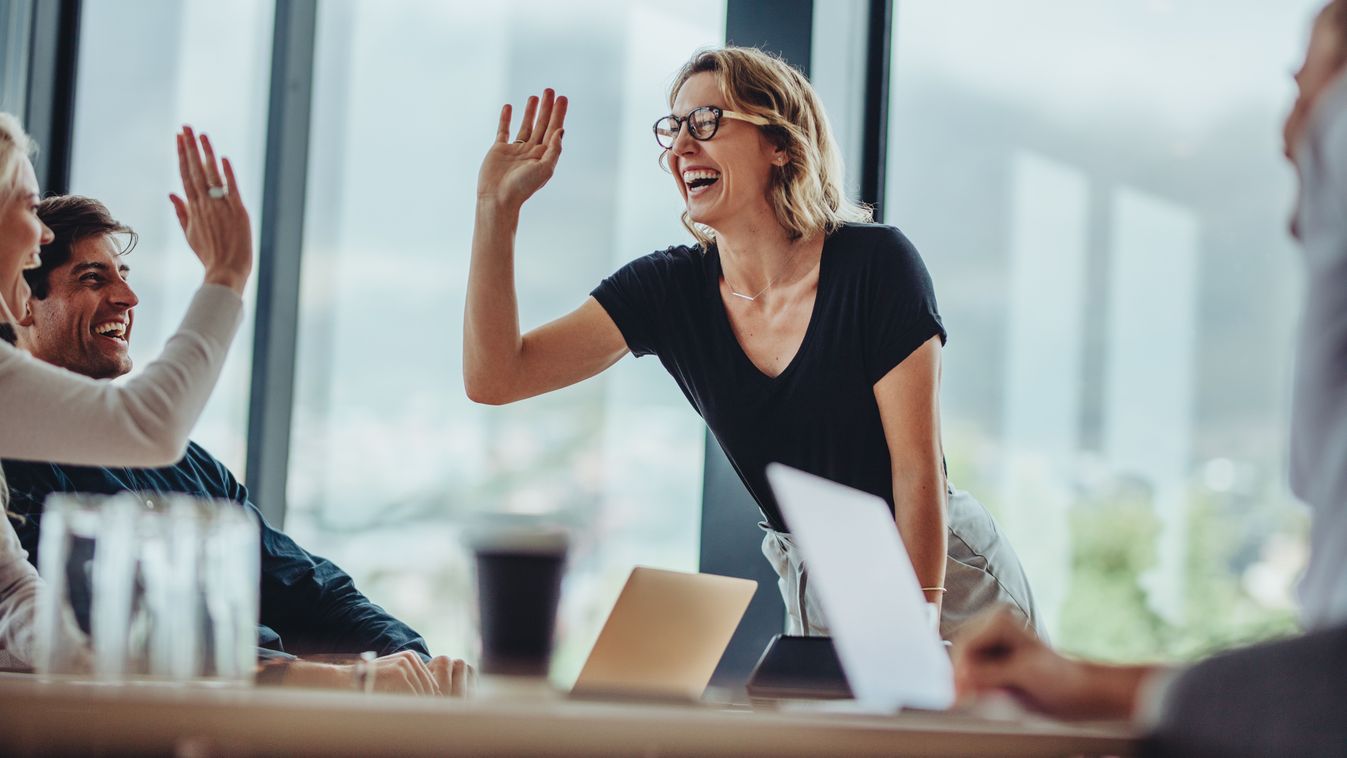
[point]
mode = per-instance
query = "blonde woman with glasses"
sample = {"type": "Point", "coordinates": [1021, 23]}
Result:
{"type": "Point", "coordinates": [50, 414]}
{"type": "Point", "coordinates": [801, 332]}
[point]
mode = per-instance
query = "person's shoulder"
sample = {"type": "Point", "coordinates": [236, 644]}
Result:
{"type": "Point", "coordinates": [872, 239]}
{"type": "Point", "coordinates": [196, 452]}
{"type": "Point", "coordinates": [878, 249]}
{"type": "Point", "coordinates": [669, 264]}
{"type": "Point", "coordinates": [201, 462]}
{"type": "Point", "coordinates": [681, 252]}
{"type": "Point", "coordinates": [677, 258]}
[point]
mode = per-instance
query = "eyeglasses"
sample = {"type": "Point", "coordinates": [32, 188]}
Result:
{"type": "Point", "coordinates": [703, 123]}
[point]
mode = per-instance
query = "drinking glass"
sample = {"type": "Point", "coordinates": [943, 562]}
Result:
{"type": "Point", "coordinates": [86, 556]}
{"type": "Point", "coordinates": [166, 586]}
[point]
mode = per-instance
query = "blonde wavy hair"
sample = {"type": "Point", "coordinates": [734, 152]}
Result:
{"type": "Point", "coordinates": [15, 148]}
{"type": "Point", "coordinates": [807, 193]}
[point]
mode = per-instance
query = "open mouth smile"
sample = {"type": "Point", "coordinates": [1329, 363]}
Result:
{"type": "Point", "coordinates": [113, 330]}
{"type": "Point", "coordinates": [698, 180]}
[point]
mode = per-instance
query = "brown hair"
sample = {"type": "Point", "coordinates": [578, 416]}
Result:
{"type": "Point", "coordinates": [72, 219]}
{"type": "Point", "coordinates": [806, 194]}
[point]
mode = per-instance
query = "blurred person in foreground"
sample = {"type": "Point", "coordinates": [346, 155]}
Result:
{"type": "Point", "coordinates": [80, 316]}
{"type": "Point", "coordinates": [1287, 697]}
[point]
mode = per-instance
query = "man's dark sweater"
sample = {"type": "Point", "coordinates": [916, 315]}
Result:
{"type": "Point", "coordinates": [307, 603]}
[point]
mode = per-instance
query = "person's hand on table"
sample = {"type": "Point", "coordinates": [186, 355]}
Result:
{"type": "Point", "coordinates": [399, 673]}
{"type": "Point", "coordinates": [995, 653]}
{"type": "Point", "coordinates": [454, 676]}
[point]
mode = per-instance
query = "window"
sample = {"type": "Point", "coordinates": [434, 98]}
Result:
{"type": "Point", "coordinates": [16, 18]}
{"type": "Point", "coordinates": [144, 70]}
{"type": "Point", "coordinates": [388, 456]}
{"type": "Point", "coordinates": [1099, 194]}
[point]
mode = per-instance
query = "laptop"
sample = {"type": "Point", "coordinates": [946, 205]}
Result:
{"type": "Point", "coordinates": [876, 612]}
{"type": "Point", "coordinates": [664, 636]}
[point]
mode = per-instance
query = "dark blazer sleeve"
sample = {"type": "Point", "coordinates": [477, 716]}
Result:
{"type": "Point", "coordinates": [314, 606]}
{"type": "Point", "coordinates": [1276, 699]}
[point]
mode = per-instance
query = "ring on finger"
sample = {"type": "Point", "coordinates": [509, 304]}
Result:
{"type": "Point", "coordinates": [520, 141]}
{"type": "Point", "coordinates": [217, 193]}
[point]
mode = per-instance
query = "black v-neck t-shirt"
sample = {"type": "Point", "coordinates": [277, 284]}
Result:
{"type": "Point", "coordinates": [874, 307]}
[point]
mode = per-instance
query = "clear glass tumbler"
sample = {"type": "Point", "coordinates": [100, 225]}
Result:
{"type": "Point", "coordinates": [166, 586]}
{"type": "Point", "coordinates": [87, 557]}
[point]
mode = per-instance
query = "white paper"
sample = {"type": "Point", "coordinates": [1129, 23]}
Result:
{"type": "Point", "coordinates": [864, 580]}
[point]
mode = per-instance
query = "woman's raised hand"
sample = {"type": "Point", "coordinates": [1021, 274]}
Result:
{"type": "Point", "coordinates": [212, 215]}
{"type": "Point", "coordinates": [513, 170]}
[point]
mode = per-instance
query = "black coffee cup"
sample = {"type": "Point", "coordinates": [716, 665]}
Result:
{"type": "Point", "coordinates": [519, 572]}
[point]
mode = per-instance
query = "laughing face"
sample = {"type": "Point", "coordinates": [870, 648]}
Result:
{"type": "Point", "coordinates": [22, 234]}
{"type": "Point", "coordinates": [84, 322]}
{"type": "Point", "coordinates": [724, 179]}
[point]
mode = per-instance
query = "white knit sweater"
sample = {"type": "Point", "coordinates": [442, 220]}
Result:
{"type": "Point", "coordinates": [50, 414]}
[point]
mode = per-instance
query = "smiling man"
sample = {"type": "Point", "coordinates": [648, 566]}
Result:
{"type": "Point", "coordinates": [80, 317]}
{"type": "Point", "coordinates": [87, 327]}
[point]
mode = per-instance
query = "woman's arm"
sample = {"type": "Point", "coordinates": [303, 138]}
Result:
{"type": "Point", "coordinates": [909, 407]}
{"type": "Point", "coordinates": [50, 414]}
{"type": "Point", "coordinates": [500, 365]}
{"type": "Point", "coordinates": [18, 597]}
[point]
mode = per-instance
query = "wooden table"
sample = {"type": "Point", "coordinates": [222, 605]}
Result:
{"type": "Point", "coordinates": [61, 718]}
